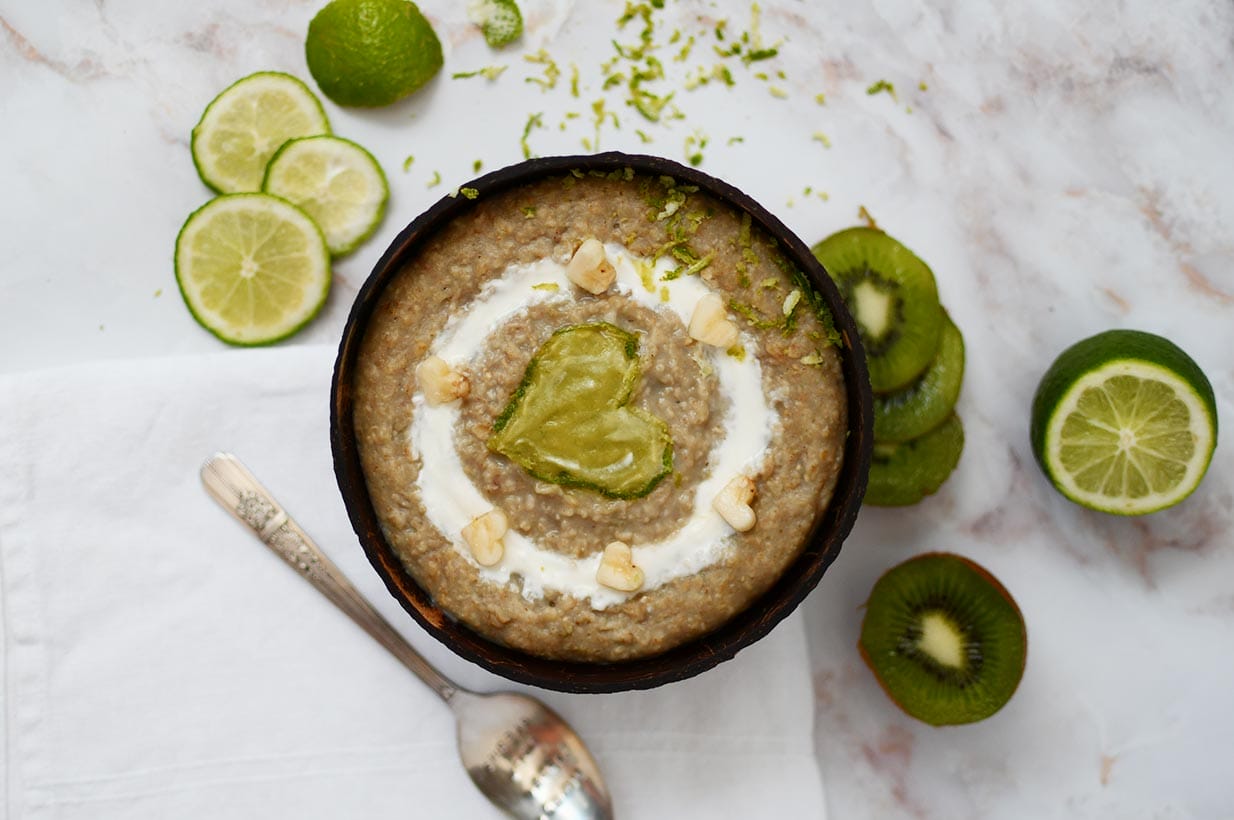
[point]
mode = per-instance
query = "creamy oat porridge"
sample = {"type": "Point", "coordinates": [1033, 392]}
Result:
{"type": "Point", "coordinates": [598, 415]}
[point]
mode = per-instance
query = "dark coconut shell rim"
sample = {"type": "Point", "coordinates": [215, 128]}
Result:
{"type": "Point", "coordinates": [689, 659]}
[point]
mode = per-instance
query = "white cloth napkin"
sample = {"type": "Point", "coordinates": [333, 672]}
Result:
{"type": "Point", "coordinates": [159, 662]}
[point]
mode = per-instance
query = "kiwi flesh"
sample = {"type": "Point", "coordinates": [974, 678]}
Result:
{"type": "Point", "coordinates": [892, 296]}
{"type": "Point", "coordinates": [903, 473]}
{"type": "Point", "coordinates": [944, 638]}
{"type": "Point", "coordinates": [927, 402]}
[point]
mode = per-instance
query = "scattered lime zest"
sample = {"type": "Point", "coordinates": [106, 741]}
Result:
{"type": "Point", "coordinates": [777, 92]}
{"type": "Point", "coordinates": [533, 121]}
{"type": "Point", "coordinates": [476, 166]}
{"type": "Point", "coordinates": [469, 193]}
{"type": "Point", "coordinates": [573, 80]}
{"type": "Point", "coordinates": [820, 137]}
{"type": "Point", "coordinates": [882, 86]}
{"type": "Point", "coordinates": [812, 358]}
{"type": "Point", "coordinates": [435, 181]}
{"type": "Point", "coordinates": [820, 98]}
{"type": "Point", "coordinates": [921, 86]}
{"type": "Point", "coordinates": [866, 217]}
{"type": "Point", "coordinates": [489, 72]}
{"type": "Point", "coordinates": [529, 211]}
{"type": "Point", "coordinates": [551, 72]}
{"type": "Point", "coordinates": [551, 287]}
{"type": "Point", "coordinates": [407, 163]}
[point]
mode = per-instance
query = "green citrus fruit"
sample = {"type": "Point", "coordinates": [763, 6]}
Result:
{"type": "Point", "coordinates": [336, 182]}
{"type": "Point", "coordinates": [1124, 422]}
{"type": "Point", "coordinates": [252, 268]}
{"type": "Point", "coordinates": [371, 52]}
{"type": "Point", "coordinates": [244, 125]}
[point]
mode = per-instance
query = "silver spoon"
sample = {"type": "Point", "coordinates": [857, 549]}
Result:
{"type": "Point", "coordinates": [520, 753]}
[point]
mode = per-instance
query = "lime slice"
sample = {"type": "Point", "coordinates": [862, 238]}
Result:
{"type": "Point", "coordinates": [336, 182]}
{"type": "Point", "coordinates": [1124, 422]}
{"type": "Point", "coordinates": [371, 52]}
{"type": "Point", "coordinates": [252, 268]}
{"type": "Point", "coordinates": [244, 125]}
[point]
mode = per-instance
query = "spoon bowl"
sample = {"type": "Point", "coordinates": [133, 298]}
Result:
{"type": "Point", "coordinates": [524, 758]}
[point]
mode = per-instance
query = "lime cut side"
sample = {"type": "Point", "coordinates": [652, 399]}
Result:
{"type": "Point", "coordinates": [1129, 438]}
{"type": "Point", "coordinates": [244, 125]}
{"type": "Point", "coordinates": [252, 268]}
{"type": "Point", "coordinates": [336, 182]}
{"type": "Point", "coordinates": [1124, 422]}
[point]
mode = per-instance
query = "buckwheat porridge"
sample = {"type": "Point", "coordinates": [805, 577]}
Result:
{"type": "Point", "coordinates": [598, 415]}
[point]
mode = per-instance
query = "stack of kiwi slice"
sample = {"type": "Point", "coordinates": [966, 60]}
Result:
{"type": "Point", "coordinates": [915, 355]}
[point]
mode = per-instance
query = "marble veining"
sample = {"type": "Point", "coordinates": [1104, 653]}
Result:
{"type": "Point", "coordinates": [1064, 168]}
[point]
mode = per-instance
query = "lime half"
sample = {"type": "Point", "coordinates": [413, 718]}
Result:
{"type": "Point", "coordinates": [1124, 422]}
{"type": "Point", "coordinates": [336, 182]}
{"type": "Point", "coordinates": [244, 125]}
{"type": "Point", "coordinates": [252, 268]}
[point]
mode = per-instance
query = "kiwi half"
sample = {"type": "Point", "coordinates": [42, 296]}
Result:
{"type": "Point", "coordinates": [926, 403]}
{"type": "Point", "coordinates": [944, 638]}
{"type": "Point", "coordinates": [894, 299]}
{"type": "Point", "coordinates": [904, 473]}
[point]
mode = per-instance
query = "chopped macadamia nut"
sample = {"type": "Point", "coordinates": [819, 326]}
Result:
{"type": "Point", "coordinates": [617, 570]}
{"type": "Point", "coordinates": [483, 535]}
{"type": "Point", "coordinates": [440, 382]}
{"type": "Point", "coordinates": [590, 269]}
{"type": "Point", "coordinates": [710, 324]}
{"type": "Point", "coordinates": [733, 503]}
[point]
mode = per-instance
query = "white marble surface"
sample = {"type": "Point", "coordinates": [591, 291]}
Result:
{"type": "Point", "coordinates": [1063, 167]}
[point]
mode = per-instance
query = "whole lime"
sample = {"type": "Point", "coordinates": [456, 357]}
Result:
{"type": "Point", "coordinates": [371, 52]}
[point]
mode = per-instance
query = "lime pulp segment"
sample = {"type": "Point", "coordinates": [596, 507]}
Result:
{"type": "Point", "coordinates": [336, 182]}
{"type": "Point", "coordinates": [1129, 437]}
{"type": "Point", "coordinates": [245, 124]}
{"type": "Point", "coordinates": [252, 268]}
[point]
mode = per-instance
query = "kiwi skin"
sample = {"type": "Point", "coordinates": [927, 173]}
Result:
{"type": "Point", "coordinates": [1004, 664]}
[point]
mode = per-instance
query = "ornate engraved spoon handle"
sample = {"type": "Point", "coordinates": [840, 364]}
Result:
{"type": "Point", "coordinates": [236, 489]}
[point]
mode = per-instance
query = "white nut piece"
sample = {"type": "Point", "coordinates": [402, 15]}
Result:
{"type": "Point", "coordinates": [483, 535]}
{"type": "Point", "coordinates": [709, 323]}
{"type": "Point", "coordinates": [440, 382]}
{"type": "Point", "coordinates": [733, 503]}
{"type": "Point", "coordinates": [617, 570]}
{"type": "Point", "coordinates": [590, 269]}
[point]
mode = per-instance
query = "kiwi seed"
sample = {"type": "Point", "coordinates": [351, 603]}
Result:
{"type": "Point", "coordinates": [944, 639]}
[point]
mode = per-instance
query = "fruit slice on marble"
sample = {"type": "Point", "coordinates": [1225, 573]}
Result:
{"type": "Point", "coordinates": [906, 472]}
{"type": "Point", "coordinates": [499, 20]}
{"type": "Point", "coordinates": [244, 125]}
{"type": "Point", "coordinates": [371, 52]}
{"type": "Point", "coordinates": [570, 421]}
{"type": "Point", "coordinates": [944, 638]}
{"type": "Point", "coordinates": [334, 181]}
{"type": "Point", "coordinates": [894, 299]}
{"type": "Point", "coordinates": [252, 268]}
{"type": "Point", "coordinates": [1124, 422]}
{"type": "Point", "coordinates": [927, 402]}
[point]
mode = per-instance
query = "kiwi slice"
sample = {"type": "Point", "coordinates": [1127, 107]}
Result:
{"type": "Point", "coordinates": [904, 473]}
{"type": "Point", "coordinates": [926, 403]}
{"type": "Point", "coordinates": [892, 295]}
{"type": "Point", "coordinates": [944, 638]}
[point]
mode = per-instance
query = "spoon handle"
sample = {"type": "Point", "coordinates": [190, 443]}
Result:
{"type": "Point", "coordinates": [237, 490]}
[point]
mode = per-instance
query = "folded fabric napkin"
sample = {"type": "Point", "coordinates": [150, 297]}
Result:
{"type": "Point", "coordinates": [159, 662]}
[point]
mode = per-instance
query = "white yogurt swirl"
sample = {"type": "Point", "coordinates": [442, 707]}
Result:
{"type": "Point", "coordinates": [451, 500]}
